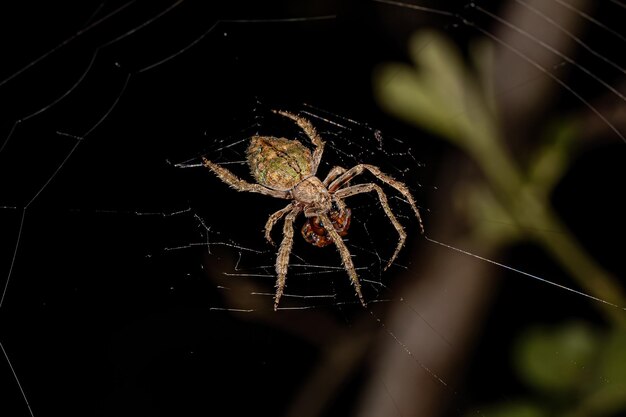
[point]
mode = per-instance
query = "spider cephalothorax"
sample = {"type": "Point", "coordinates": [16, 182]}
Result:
{"type": "Point", "coordinates": [285, 168]}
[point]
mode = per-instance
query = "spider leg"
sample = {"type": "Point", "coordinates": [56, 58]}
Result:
{"type": "Point", "coordinates": [282, 260]}
{"type": "Point", "coordinates": [332, 174]}
{"type": "Point", "coordinates": [239, 184]}
{"type": "Point", "coordinates": [365, 188]}
{"type": "Point", "coordinates": [271, 221]}
{"type": "Point", "coordinates": [345, 256]}
{"type": "Point", "coordinates": [387, 179]}
{"type": "Point", "coordinates": [310, 132]}
{"type": "Point", "coordinates": [335, 172]}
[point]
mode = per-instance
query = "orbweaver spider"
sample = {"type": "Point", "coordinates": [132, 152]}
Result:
{"type": "Point", "coordinates": [285, 168]}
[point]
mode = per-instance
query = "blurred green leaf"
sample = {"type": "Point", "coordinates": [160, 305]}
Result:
{"type": "Point", "coordinates": [557, 359]}
{"type": "Point", "coordinates": [609, 395]}
{"type": "Point", "coordinates": [552, 160]}
{"type": "Point", "coordinates": [613, 362]}
{"type": "Point", "coordinates": [438, 94]}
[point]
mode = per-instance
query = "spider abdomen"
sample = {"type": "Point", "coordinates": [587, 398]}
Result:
{"type": "Point", "coordinates": [278, 163]}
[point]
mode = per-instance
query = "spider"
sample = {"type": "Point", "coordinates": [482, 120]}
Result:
{"type": "Point", "coordinates": [285, 168]}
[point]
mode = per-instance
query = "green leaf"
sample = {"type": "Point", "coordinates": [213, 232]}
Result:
{"type": "Point", "coordinates": [613, 362]}
{"type": "Point", "coordinates": [438, 94]}
{"type": "Point", "coordinates": [609, 393]}
{"type": "Point", "coordinates": [558, 359]}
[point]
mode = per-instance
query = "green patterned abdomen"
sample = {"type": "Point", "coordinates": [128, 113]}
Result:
{"type": "Point", "coordinates": [278, 163]}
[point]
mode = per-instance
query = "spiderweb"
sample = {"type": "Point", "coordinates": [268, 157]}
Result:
{"type": "Point", "coordinates": [135, 282]}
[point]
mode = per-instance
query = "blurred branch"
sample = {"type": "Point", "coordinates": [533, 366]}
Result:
{"type": "Point", "coordinates": [440, 95]}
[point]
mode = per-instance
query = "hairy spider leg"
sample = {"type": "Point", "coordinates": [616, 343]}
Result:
{"type": "Point", "coordinates": [241, 185]}
{"type": "Point", "coordinates": [271, 221]}
{"type": "Point", "coordinates": [335, 172]}
{"type": "Point", "coordinates": [282, 260]}
{"type": "Point", "coordinates": [310, 131]}
{"type": "Point", "coordinates": [369, 187]}
{"type": "Point", "coordinates": [346, 259]}
{"type": "Point", "coordinates": [387, 179]}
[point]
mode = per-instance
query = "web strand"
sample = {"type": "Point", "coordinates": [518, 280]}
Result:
{"type": "Point", "coordinates": [527, 274]}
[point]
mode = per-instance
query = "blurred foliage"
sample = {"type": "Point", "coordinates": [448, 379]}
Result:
{"type": "Point", "coordinates": [574, 370]}
{"type": "Point", "coordinates": [556, 360]}
{"type": "Point", "coordinates": [439, 93]}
